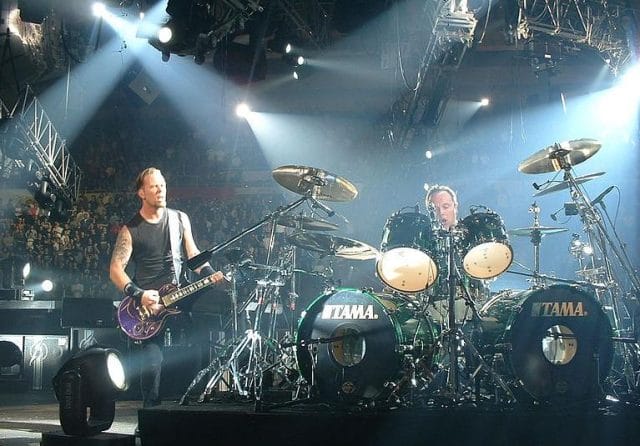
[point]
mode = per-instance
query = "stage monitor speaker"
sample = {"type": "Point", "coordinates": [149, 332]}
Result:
{"type": "Point", "coordinates": [88, 313]}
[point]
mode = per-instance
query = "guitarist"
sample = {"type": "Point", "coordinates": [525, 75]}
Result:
{"type": "Point", "coordinates": [155, 239]}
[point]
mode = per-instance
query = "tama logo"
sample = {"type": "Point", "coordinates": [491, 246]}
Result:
{"type": "Point", "coordinates": [348, 312]}
{"type": "Point", "coordinates": [554, 309]}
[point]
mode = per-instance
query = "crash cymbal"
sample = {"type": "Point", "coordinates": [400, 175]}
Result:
{"type": "Point", "coordinates": [562, 185]}
{"type": "Point", "coordinates": [548, 159]}
{"type": "Point", "coordinates": [528, 232]}
{"type": "Point", "coordinates": [333, 245]}
{"type": "Point", "coordinates": [304, 222]}
{"type": "Point", "coordinates": [318, 183]}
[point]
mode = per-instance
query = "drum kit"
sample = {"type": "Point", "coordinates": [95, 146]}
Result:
{"type": "Point", "coordinates": [559, 342]}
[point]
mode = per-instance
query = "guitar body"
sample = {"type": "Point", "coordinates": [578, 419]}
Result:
{"type": "Point", "coordinates": [139, 325]}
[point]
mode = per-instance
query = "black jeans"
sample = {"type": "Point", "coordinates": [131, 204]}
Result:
{"type": "Point", "coordinates": [151, 358]}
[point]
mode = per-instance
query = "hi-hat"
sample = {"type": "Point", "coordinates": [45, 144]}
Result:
{"type": "Point", "coordinates": [332, 245]}
{"type": "Point", "coordinates": [553, 158]}
{"type": "Point", "coordinates": [530, 231]}
{"type": "Point", "coordinates": [317, 183]}
{"type": "Point", "coordinates": [566, 184]}
{"type": "Point", "coordinates": [304, 222]}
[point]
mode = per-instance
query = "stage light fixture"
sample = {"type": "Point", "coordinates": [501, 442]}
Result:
{"type": "Point", "coordinates": [44, 195]}
{"type": "Point", "coordinates": [288, 48]}
{"type": "Point", "coordinates": [98, 9]}
{"type": "Point", "coordinates": [242, 110]}
{"type": "Point", "coordinates": [26, 269]}
{"type": "Point", "coordinates": [484, 102]}
{"type": "Point", "coordinates": [47, 285]}
{"type": "Point", "coordinates": [86, 387]}
{"type": "Point", "coordinates": [300, 60]}
{"type": "Point", "coordinates": [165, 34]}
{"type": "Point", "coordinates": [296, 76]}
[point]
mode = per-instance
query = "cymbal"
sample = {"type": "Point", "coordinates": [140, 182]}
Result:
{"type": "Point", "coordinates": [562, 185]}
{"type": "Point", "coordinates": [548, 159]}
{"type": "Point", "coordinates": [318, 183]}
{"type": "Point", "coordinates": [528, 232]}
{"type": "Point", "coordinates": [304, 222]}
{"type": "Point", "coordinates": [333, 245]}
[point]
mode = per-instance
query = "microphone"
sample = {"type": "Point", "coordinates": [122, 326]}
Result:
{"type": "Point", "coordinates": [316, 204]}
{"type": "Point", "coordinates": [600, 197]}
{"type": "Point", "coordinates": [537, 186]}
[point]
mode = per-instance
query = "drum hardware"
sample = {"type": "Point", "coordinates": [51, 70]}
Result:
{"type": "Point", "coordinates": [254, 348]}
{"type": "Point", "coordinates": [454, 336]}
{"type": "Point", "coordinates": [609, 246]}
{"type": "Point", "coordinates": [536, 232]}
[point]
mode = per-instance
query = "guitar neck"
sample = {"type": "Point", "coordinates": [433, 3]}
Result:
{"type": "Point", "coordinates": [179, 294]}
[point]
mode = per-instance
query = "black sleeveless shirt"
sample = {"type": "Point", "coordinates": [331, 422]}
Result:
{"type": "Point", "coordinates": [151, 254]}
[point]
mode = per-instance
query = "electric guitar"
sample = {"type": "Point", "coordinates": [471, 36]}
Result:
{"type": "Point", "coordinates": [141, 324]}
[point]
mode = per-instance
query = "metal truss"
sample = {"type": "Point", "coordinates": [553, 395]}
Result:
{"type": "Point", "coordinates": [450, 29]}
{"type": "Point", "coordinates": [600, 24]}
{"type": "Point", "coordinates": [311, 19]}
{"type": "Point", "coordinates": [42, 145]}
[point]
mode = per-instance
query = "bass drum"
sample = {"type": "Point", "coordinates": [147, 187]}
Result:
{"type": "Point", "coordinates": [359, 342]}
{"type": "Point", "coordinates": [556, 341]}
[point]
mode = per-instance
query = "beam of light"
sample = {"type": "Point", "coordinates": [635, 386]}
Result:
{"type": "Point", "coordinates": [484, 102]}
{"type": "Point", "coordinates": [201, 97]}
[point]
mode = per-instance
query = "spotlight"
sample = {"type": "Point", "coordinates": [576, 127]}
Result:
{"type": "Point", "coordinates": [165, 34]}
{"type": "Point", "coordinates": [296, 76]}
{"type": "Point", "coordinates": [587, 250]}
{"type": "Point", "coordinates": [47, 285]}
{"type": "Point", "coordinates": [288, 48]}
{"type": "Point", "coordinates": [242, 110]}
{"type": "Point", "coordinates": [300, 60]}
{"type": "Point", "coordinates": [26, 269]}
{"type": "Point", "coordinates": [88, 384]}
{"type": "Point", "coordinates": [428, 154]}
{"type": "Point", "coordinates": [98, 9]}
{"type": "Point", "coordinates": [484, 102]}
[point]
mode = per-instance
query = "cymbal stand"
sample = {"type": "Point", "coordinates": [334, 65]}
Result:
{"type": "Point", "coordinates": [453, 332]}
{"type": "Point", "coordinates": [610, 296]}
{"type": "Point", "coordinates": [536, 239]}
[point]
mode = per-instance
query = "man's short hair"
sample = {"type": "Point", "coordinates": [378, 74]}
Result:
{"type": "Point", "coordinates": [145, 173]}
{"type": "Point", "coordinates": [438, 188]}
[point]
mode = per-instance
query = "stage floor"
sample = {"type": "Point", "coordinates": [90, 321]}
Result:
{"type": "Point", "coordinates": [310, 425]}
{"type": "Point", "coordinates": [25, 416]}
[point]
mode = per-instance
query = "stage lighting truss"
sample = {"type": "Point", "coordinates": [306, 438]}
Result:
{"type": "Point", "coordinates": [86, 388]}
{"type": "Point", "coordinates": [198, 30]}
{"type": "Point", "coordinates": [605, 25]}
{"type": "Point", "coordinates": [42, 149]}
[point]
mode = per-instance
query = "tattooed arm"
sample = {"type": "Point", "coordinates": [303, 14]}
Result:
{"type": "Point", "coordinates": [120, 258]}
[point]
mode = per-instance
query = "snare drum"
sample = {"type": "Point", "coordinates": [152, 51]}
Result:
{"type": "Point", "coordinates": [408, 248]}
{"type": "Point", "coordinates": [556, 341]}
{"type": "Point", "coordinates": [485, 247]}
{"type": "Point", "coordinates": [360, 342]}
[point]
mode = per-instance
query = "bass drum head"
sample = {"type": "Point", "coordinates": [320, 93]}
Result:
{"type": "Point", "coordinates": [560, 345]}
{"type": "Point", "coordinates": [357, 341]}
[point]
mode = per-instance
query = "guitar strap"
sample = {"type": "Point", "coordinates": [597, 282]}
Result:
{"type": "Point", "coordinates": [176, 230]}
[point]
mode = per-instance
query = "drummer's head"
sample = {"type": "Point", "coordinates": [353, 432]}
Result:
{"type": "Point", "coordinates": [445, 202]}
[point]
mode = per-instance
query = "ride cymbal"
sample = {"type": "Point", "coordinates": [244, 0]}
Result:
{"type": "Point", "coordinates": [562, 185]}
{"type": "Point", "coordinates": [308, 223]}
{"type": "Point", "coordinates": [333, 245]}
{"type": "Point", "coordinates": [552, 158]}
{"type": "Point", "coordinates": [317, 183]}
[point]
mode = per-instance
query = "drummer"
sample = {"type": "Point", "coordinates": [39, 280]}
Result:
{"type": "Point", "coordinates": [444, 201]}
{"type": "Point", "coordinates": [445, 204]}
